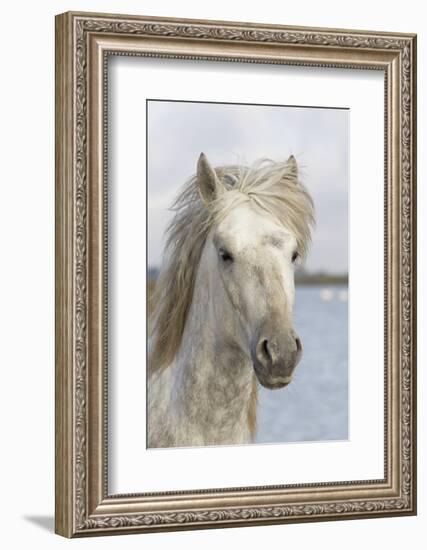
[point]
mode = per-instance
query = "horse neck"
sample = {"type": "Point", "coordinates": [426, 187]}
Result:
{"type": "Point", "coordinates": [213, 369]}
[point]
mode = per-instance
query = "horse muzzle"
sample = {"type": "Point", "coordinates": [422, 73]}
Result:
{"type": "Point", "coordinates": [275, 359]}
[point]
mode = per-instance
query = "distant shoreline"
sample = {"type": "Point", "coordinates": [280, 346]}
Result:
{"type": "Point", "coordinates": [320, 279]}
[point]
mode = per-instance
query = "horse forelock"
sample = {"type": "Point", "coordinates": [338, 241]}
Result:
{"type": "Point", "coordinates": [270, 186]}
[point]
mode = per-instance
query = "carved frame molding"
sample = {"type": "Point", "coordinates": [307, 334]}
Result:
{"type": "Point", "coordinates": [83, 43]}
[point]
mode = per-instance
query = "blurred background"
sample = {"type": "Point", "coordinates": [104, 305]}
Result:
{"type": "Point", "coordinates": [314, 407]}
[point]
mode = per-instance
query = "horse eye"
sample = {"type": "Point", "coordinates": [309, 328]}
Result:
{"type": "Point", "coordinates": [295, 257]}
{"type": "Point", "coordinates": [225, 255]}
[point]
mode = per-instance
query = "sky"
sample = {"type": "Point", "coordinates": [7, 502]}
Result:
{"type": "Point", "coordinates": [228, 134]}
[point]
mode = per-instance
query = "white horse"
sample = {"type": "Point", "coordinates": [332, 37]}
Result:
{"type": "Point", "coordinates": [223, 308]}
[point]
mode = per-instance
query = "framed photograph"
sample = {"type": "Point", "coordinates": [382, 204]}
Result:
{"type": "Point", "coordinates": [235, 274]}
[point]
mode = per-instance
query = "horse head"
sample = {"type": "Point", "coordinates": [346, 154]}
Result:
{"type": "Point", "coordinates": [260, 228]}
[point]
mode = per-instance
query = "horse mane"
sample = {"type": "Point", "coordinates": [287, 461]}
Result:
{"type": "Point", "coordinates": [270, 186]}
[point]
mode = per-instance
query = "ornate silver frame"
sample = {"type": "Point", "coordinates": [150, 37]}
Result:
{"type": "Point", "coordinates": [83, 42]}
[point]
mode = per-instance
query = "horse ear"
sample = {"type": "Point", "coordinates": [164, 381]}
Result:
{"type": "Point", "coordinates": [292, 163]}
{"type": "Point", "coordinates": [207, 180]}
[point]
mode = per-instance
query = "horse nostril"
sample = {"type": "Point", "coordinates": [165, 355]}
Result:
{"type": "Point", "coordinates": [266, 350]}
{"type": "Point", "coordinates": [299, 347]}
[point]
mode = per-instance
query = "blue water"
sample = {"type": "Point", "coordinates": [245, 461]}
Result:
{"type": "Point", "coordinates": [314, 407]}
